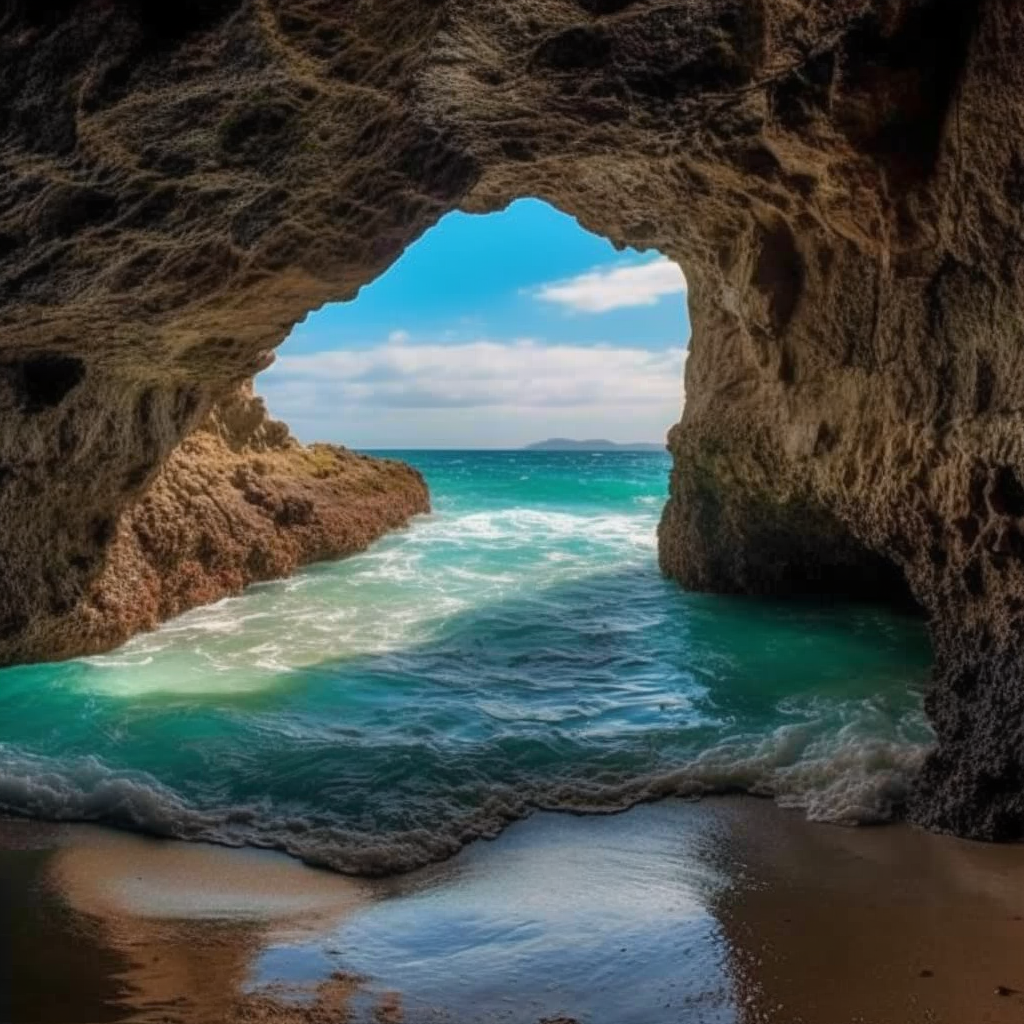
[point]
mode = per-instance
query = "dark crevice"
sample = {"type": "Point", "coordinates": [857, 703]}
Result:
{"type": "Point", "coordinates": [899, 82]}
{"type": "Point", "coordinates": [43, 381]}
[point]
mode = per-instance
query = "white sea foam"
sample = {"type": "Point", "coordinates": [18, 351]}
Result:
{"type": "Point", "coordinates": [390, 597]}
{"type": "Point", "coordinates": [843, 778]}
{"type": "Point", "coordinates": [534, 527]}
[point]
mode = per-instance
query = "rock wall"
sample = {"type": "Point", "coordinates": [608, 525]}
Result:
{"type": "Point", "coordinates": [842, 181]}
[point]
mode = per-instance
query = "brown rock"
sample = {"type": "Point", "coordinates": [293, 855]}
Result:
{"type": "Point", "coordinates": [238, 502]}
{"type": "Point", "coordinates": [842, 180]}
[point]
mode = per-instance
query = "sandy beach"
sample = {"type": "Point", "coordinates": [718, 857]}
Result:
{"type": "Point", "coordinates": [724, 911]}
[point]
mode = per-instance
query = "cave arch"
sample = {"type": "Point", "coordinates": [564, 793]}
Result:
{"type": "Point", "coordinates": [842, 183]}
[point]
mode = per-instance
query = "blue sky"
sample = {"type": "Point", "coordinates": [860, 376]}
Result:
{"type": "Point", "coordinates": [492, 331]}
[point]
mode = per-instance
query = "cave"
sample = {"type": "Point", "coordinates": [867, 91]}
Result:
{"type": "Point", "coordinates": [842, 183]}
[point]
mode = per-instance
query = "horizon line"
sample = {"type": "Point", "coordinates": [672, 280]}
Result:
{"type": "Point", "coordinates": [474, 448]}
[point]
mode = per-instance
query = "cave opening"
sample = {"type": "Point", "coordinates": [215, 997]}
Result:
{"type": "Point", "coordinates": [519, 640]}
{"type": "Point", "coordinates": [493, 331]}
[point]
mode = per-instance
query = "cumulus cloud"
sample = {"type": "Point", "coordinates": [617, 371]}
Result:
{"type": "Point", "coordinates": [439, 394]}
{"type": "Point", "coordinates": [616, 287]}
{"type": "Point", "coordinates": [486, 373]}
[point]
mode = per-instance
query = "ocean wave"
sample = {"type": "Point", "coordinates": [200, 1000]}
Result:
{"type": "Point", "coordinates": [843, 778]}
{"type": "Point", "coordinates": [535, 527]}
{"type": "Point", "coordinates": [386, 598]}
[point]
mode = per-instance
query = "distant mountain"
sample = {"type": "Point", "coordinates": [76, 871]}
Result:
{"type": "Point", "coordinates": [598, 444]}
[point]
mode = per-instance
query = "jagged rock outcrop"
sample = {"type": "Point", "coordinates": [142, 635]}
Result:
{"type": "Point", "coordinates": [842, 181]}
{"type": "Point", "coordinates": [238, 502]}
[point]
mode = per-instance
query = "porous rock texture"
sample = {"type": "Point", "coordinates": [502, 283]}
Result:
{"type": "Point", "coordinates": [238, 502]}
{"type": "Point", "coordinates": [842, 181]}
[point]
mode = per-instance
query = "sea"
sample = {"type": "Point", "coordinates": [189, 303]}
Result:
{"type": "Point", "coordinates": [516, 649]}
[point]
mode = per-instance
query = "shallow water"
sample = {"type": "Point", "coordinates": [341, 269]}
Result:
{"type": "Point", "coordinates": [516, 649]}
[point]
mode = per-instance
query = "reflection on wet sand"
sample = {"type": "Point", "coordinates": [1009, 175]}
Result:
{"type": "Point", "coordinates": [725, 912]}
{"type": "Point", "coordinates": [190, 921]}
{"type": "Point", "coordinates": [55, 965]}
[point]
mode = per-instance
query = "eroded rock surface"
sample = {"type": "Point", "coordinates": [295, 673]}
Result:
{"type": "Point", "coordinates": [842, 181]}
{"type": "Point", "coordinates": [240, 501]}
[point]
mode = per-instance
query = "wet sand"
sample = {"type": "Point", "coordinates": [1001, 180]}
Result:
{"type": "Point", "coordinates": [727, 912]}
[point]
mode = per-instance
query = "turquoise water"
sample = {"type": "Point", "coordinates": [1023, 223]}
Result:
{"type": "Point", "coordinates": [516, 649]}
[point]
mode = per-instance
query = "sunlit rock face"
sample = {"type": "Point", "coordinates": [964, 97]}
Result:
{"type": "Point", "coordinates": [842, 183]}
{"type": "Point", "coordinates": [239, 501]}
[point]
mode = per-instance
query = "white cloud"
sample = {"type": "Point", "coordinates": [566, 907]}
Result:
{"type": "Point", "coordinates": [481, 392]}
{"type": "Point", "coordinates": [617, 287]}
{"type": "Point", "coordinates": [399, 337]}
{"type": "Point", "coordinates": [483, 373]}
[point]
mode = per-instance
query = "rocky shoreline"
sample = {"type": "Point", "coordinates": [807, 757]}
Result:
{"type": "Point", "coordinates": [239, 502]}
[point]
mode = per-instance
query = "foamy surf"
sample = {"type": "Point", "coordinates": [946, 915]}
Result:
{"type": "Point", "coordinates": [848, 779]}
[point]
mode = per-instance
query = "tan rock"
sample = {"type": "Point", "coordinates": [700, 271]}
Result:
{"type": "Point", "coordinates": [238, 502]}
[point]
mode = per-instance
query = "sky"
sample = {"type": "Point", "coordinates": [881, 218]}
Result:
{"type": "Point", "coordinates": [492, 331]}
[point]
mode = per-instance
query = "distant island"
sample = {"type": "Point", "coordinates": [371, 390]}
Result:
{"type": "Point", "coordinates": [566, 444]}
